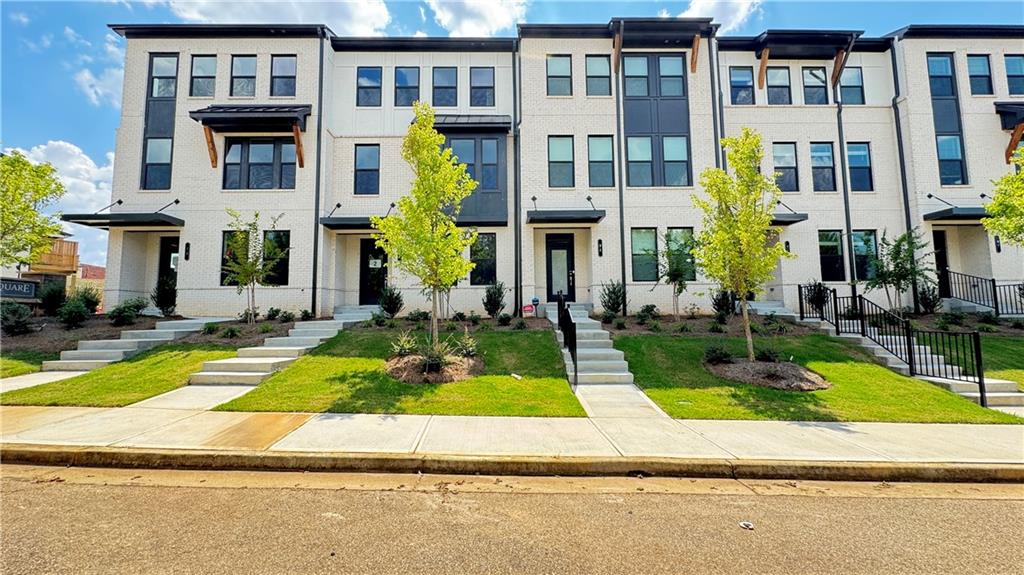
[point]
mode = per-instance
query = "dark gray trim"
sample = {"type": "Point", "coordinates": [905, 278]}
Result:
{"type": "Point", "coordinates": [901, 152]}
{"type": "Point", "coordinates": [619, 81]}
{"type": "Point", "coordinates": [481, 221]}
{"type": "Point", "coordinates": [1010, 114]}
{"type": "Point", "coordinates": [958, 31]}
{"type": "Point", "coordinates": [788, 218]}
{"type": "Point", "coordinates": [565, 31]}
{"type": "Point", "coordinates": [664, 32]}
{"type": "Point", "coordinates": [713, 66]}
{"type": "Point", "coordinates": [406, 44]}
{"type": "Point", "coordinates": [957, 213]}
{"type": "Point", "coordinates": [794, 44]}
{"type": "Point", "coordinates": [517, 217]}
{"type": "Point", "coordinates": [564, 216]}
{"type": "Point", "coordinates": [319, 175]}
{"type": "Point", "coordinates": [124, 220]}
{"type": "Point", "coordinates": [253, 118]}
{"type": "Point", "coordinates": [345, 223]}
{"type": "Point", "coordinates": [843, 166]}
{"type": "Point", "coordinates": [220, 30]}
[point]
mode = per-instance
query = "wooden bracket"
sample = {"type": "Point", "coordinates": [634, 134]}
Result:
{"type": "Point", "coordinates": [837, 66]}
{"type": "Point", "coordinates": [763, 70]}
{"type": "Point", "coordinates": [1015, 138]}
{"type": "Point", "coordinates": [616, 51]}
{"type": "Point", "coordinates": [211, 146]}
{"type": "Point", "coordinates": [299, 156]}
{"type": "Point", "coordinates": [694, 52]}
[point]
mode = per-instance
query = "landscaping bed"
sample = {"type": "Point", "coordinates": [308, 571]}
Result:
{"type": "Point", "coordinates": [455, 326]}
{"type": "Point", "coordinates": [702, 325]}
{"type": "Point", "coordinates": [238, 333]}
{"type": "Point", "coordinates": [986, 323]}
{"type": "Point", "coordinates": [49, 336]}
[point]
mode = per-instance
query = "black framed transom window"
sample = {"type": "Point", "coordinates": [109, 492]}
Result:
{"type": "Point", "coordinates": [282, 75]}
{"type": "Point", "coordinates": [259, 164]}
{"type": "Point", "coordinates": [204, 76]}
{"type": "Point", "coordinates": [445, 84]}
{"type": "Point", "coordinates": [243, 76]}
{"type": "Point", "coordinates": [407, 85]}
{"type": "Point", "coordinates": [484, 253]}
{"type": "Point", "coordinates": [368, 86]}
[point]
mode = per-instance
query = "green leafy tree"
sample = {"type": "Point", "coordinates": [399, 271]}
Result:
{"type": "Point", "coordinates": [676, 266]}
{"type": "Point", "coordinates": [736, 246]}
{"type": "Point", "coordinates": [897, 267]}
{"type": "Point", "coordinates": [1006, 210]}
{"type": "Point", "coordinates": [25, 190]}
{"type": "Point", "coordinates": [249, 260]}
{"type": "Point", "coordinates": [421, 237]}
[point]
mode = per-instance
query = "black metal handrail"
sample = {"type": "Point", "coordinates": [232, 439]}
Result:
{"type": "Point", "coordinates": [952, 355]}
{"type": "Point", "coordinates": [892, 332]}
{"type": "Point", "coordinates": [567, 326]}
{"type": "Point", "coordinates": [1009, 299]}
{"type": "Point", "coordinates": [974, 289]}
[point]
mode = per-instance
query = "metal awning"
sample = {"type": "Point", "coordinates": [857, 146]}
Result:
{"type": "Point", "coordinates": [253, 118]}
{"type": "Point", "coordinates": [125, 220]}
{"type": "Point", "coordinates": [1010, 114]}
{"type": "Point", "coordinates": [564, 216]}
{"type": "Point", "coordinates": [472, 123]}
{"type": "Point", "coordinates": [957, 213]}
{"type": "Point", "coordinates": [787, 219]}
{"type": "Point", "coordinates": [481, 221]}
{"type": "Point", "coordinates": [346, 222]}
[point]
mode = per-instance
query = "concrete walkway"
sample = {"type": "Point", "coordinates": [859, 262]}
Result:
{"type": "Point", "coordinates": [34, 379]}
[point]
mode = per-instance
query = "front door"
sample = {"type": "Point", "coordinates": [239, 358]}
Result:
{"type": "Point", "coordinates": [561, 266]}
{"type": "Point", "coordinates": [168, 266]}
{"type": "Point", "coordinates": [941, 261]}
{"type": "Point", "coordinates": [373, 273]}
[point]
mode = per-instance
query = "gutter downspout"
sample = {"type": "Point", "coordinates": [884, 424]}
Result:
{"type": "Point", "coordinates": [712, 63]}
{"type": "Point", "coordinates": [719, 152]}
{"type": "Point", "coordinates": [842, 166]}
{"type": "Point", "coordinates": [618, 137]}
{"type": "Point", "coordinates": [319, 175]}
{"type": "Point", "coordinates": [517, 288]}
{"type": "Point", "coordinates": [902, 156]}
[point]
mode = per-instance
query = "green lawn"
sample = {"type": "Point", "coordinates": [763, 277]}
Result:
{"type": "Point", "coordinates": [22, 362]}
{"type": "Point", "coordinates": [1004, 358]}
{"type": "Point", "coordinates": [670, 370]}
{"type": "Point", "coordinates": [156, 371]}
{"type": "Point", "coordinates": [346, 375]}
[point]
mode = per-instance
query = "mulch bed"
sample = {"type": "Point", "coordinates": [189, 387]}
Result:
{"type": "Point", "coordinates": [249, 336]}
{"type": "Point", "coordinates": [50, 336]}
{"type": "Point", "coordinates": [701, 326]}
{"type": "Point", "coordinates": [971, 323]}
{"type": "Point", "coordinates": [409, 369]}
{"type": "Point", "coordinates": [450, 326]}
{"type": "Point", "coordinates": [783, 375]}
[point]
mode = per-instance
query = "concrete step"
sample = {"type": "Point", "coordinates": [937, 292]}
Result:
{"type": "Point", "coordinates": [997, 398]}
{"type": "Point", "coordinates": [323, 324]}
{"type": "Point", "coordinates": [591, 343]}
{"type": "Point", "coordinates": [101, 354]}
{"type": "Point", "coordinates": [321, 333]}
{"type": "Point", "coordinates": [601, 366]}
{"type": "Point", "coordinates": [158, 334]}
{"type": "Point", "coordinates": [195, 323]}
{"type": "Point", "coordinates": [272, 351]}
{"type": "Point", "coordinates": [75, 364]}
{"type": "Point", "coordinates": [596, 377]}
{"type": "Point", "coordinates": [118, 344]}
{"type": "Point", "coordinates": [597, 354]}
{"type": "Point", "coordinates": [957, 386]}
{"type": "Point", "coordinates": [228, 378]}
{"type": "Point", "coordinates": [585, 334]}
{"type": "Point", "coordinates": [292, 341]}
{"type": "Point", "coordinates": [248, 364]}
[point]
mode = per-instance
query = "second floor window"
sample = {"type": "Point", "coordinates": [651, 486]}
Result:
{"type": "Point", "coordinates": [481, 87]}
{"type": "Point", "coordinates": [670, 75]}
{"type": "Point", "coordinates": [860, 167]}
{"type": "Point", "coordinates": [243, 76]}
{"type": "Point", "coordinates": [156, 173]}
{"type": "Point", "coordinates": [368, 82]}
{"type": "Point", "coordinates": [488, 164]}
{"type": "Point", "coordinates": [676, 162]}
{"type": "Point", "coordinates": [980, 75]}
{"type": "Point", "coordinates": [599, 159]}
{"type": "Point", "coordinates": [165, 76]}
{"type": "Point", "coordinates": [559, 75]}
{"type": "Point", "coordinates": [561, 172]}
{"type": "Point", "coordinates": [851, 86]}
{"type": "Point", "coordinates": [951, 160]}
{"type": "Point", "coordinates": [446, 86]}
{"type": "Point", "coordinates": [259, 164]}
{"type": "Point", "coordinates": [823, 167]}
{"type": "Point", "coordinates": [786, 175]}
{"type": "Point", "coordinates": [741, 86]}
{"type": "Point", "coordinates": [778, 86]}
{"type": "Point", "coordinates": [599, 76]}
{"type": "Point", "coordinates": [636, 75]}
{"type": "Point", "coordinates": [367, 169]}
{"type": "Point", "coordinates": [465, 151]}
{"type": "Point", "coordinates": [282, 75]}
{"type": "Point", "coordinates": [815, 87]}
{"type": "Point", "coordinates": [204, 76]}
{"type": "Point", "coordinates": [639, 161]}
{"type": "Point", "coordinates": [407, 86]}
{"type": "Point", "coordinates": [1015, 74]}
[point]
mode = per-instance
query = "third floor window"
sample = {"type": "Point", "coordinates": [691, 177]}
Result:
{"type": "Point", "coordinates": [446, 86]}
{"type": "Point", "coordinates": [204, 76]}
{"type": "Point", "coordinates": [243, 76]}
{"type": "Point", "coordinates": [164, 71]}
{"type": "Point", "coordinates": [778, 86]}
{"type": "Point", "coordinates": [282, 75]}
{"type": "Point", "coordinates": [407, 86]}
{"type": "Point", "coordinates": [1015, 74]}
{"type": "Point", "coordinates": [368, 82]}
{"type": "Point", "coordinates": [599, 77]}
{"type": "Point", "coordinates": [481, 87]}
{"type": "Point", "coordinates": [851, 86]}
{"type": "Point", "coordinates": [559, 75]}
{"type": "Point", "coordinates": [815, 87]}
{"type": "Point", "coordinates": [980, 74]}
{"type": "Point", "coordinates": [741, 86]}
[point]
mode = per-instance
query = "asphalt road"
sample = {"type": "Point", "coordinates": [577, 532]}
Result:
{"type": "Point", "coordinates": [57, 520]}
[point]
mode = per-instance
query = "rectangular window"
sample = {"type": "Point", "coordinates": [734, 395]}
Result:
{"type": "Point", "coordinates": [407, 86]}
{"type": "Point", "coordinates": [481, 87]}
{"type": "Point", "coordinates": [741, 85]}
{"type": "Point", "coordinates": [823, 167]}
{"type": "Point", "coordinates": [940, 75]}
{"type": "Point", "coordinates": [1015, 74]}
{"type": "Point", "coordinates": [815, 87]}
{"type": "Point", "coordinates": [488, 164]}
{"type": "Point", "coordinates": [946, 118]}
{"type": "Point", "coordinates": [368, 83]}
{"type": "Point", "coordinates": [446, 86]}
{"type": "Point", "coordinates": [644, 242]}
{"type": "Point", "coordinates": [860, 167]}
{"type": "Point", "coordinates": [367, 169]}
{"type": "Point", "coordinates": [786, 175]}
{"type": "Point", "coordinates": [864, 251]}
{"type": "Point", "coordinates": [980, 74]}
{"type": "Point", "coordinates": [951, 160]}
{"type": "Point", "coordinates": [259, 164]}
{"type": "Point", "coordinates": [639, 161]}
{"type": "Point", "coordinates": [561, 173]}
{"type": "Point", "coordinates": [676, 164]}
{"type": "Point", "coordinates": [227, 255]}
{"type": "Point", "coordinates": [679, 241]}
{"type": "Point", "coordinates": [559, 75]}
{"type": "Point", "coordinates": [156, 173]}
{"type": "Point", "coordinates": [778, 86]}
{"type": "Point", "coordinates": [243, 76]}
{"type": "Point", "coordinates": [282, 75]}
{"type": "Point", "coordinates": [464, 150]}
{"type": "Point", "coordinates": [851, 86]}
{"type": "Point", "coordinates": [276, 245]}
{"type": "Point", "coordinates": [670, 76]}
{"type": "Point", "coordinates": [164, 74]}
{"type": "Point", "coordinates": [830, 255]}
{"type": "Point", "coordinates": [599, 159]}
{"type": "Point", "coordinates": [204, 76]}
{"type": "Point", "coordinates": [636, 76]}
{"type": "Point", "coordinates": [599, 76]}
{"type": "Point", "coordinates": [484, 253]}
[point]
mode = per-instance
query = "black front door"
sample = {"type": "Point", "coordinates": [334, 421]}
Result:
{"type": "Point", "coordinates": [561, 266]}
{"type": "Point", "coordinates": [168, 266]}
{"type": "Point", "coordinates": [373, 273]}
{"type": "Point", "coordinates": [941, 261]}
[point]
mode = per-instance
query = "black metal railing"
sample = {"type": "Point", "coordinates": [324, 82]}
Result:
{"type": "Point", "coordinates": [1009, 299]}
{"type": "Point", "coordinates": [1004, 299]}
{"type": "Point", "coordinates": [951, 355]}
{"type": "Point", "coordinates": [567, 326]}
{"type": "Point", "coordinates": [892, 332]}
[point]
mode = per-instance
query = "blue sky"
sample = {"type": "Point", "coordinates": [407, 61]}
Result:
{"type": "Point", "coordinates": [61, 68]}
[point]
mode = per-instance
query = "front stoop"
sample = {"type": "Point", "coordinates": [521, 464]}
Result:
{"type": "Point", "coordinates": [93, 354]}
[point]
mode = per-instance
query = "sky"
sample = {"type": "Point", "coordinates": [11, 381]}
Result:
{"type": "Point", "coordinates": [61, 68]}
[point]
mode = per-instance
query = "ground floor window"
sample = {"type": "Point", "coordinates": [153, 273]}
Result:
{"type": "Point", "coordinates": [276, 243]}
{"type": "Point", "coordinates": [680, 240]}
{"type": "Point", "coordinates": [230, 242]}
{"type": "Point", "coordinates": [484, 253]}
{"type": "Point", "coordinates": [830, 253]}
{"type": "Point", "coordinates": [865, 248]}
{"type": "Point", "coordinates": [645, 254]}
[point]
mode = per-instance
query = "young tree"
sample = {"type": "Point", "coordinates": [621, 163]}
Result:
{"type": "Point", "coordinates": [1006, 210]}
{"type": "Point", "coordinates": [250, 259]}
{"type": "Point", "coordinates": [676, 266]}
{"type": "Point", "coordinates": [420, 236]}
{"type": "Point", "coordinates": [26, 189]}
{"type": "Point", "coordinates": [736, 245]}
{"type": "Point", "coordinates": [898, 266]}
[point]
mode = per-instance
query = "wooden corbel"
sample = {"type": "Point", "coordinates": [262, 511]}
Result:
{"type": "Point", "coordinates": [1015, 138]}
{"type": "Point", "coordinates": [837, 66]}
{"type": "Point", "coordinates": [694, 52]}
{"type": "Point", "coordinates": [299, 155]}
{"type": "Point", "coordinates": [211, 146]}
{"type": "Point", "coordinates": [763, 69]}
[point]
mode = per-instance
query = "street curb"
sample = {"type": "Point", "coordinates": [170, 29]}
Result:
{"type": "Point", "coordinates": [78, 456]}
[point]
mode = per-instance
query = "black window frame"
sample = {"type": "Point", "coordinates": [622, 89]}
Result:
{"type": "Point", "coordinates": [851, 94]}
{"type": "Point", "coordinates": [944, 90]}
{"type": "Point", "coordinates": [857, 173]}
{"type": "Point", "coordinates": [278, 275]}
{"type": "Point", "coordinates": [484, 164]}
{"type": "Point", "coordinates": [224, 235]}
{"type": "Point", "coordinates": [370, 91]}
{"type": "Point", "coordinates": [480, 275]}
{"type": "Point", "coordinates": [471, 165]}
{"type": "Point", "coordinates": [862, 261]}
{"type": "Point", "coordinates": [735, 89]}
{"type": "Point", "coordinates": [831, 169]}
{"type": "Point", "coordinates": [404, 89]}
{"type": "Point", "coordinates": [244, 166]}
{"type": "Point", "coordinates": [436, 88]}
{"type": "Point", "coordinates": [692, 276]}
{"type": "Point", "coordinates": [153, 77]}
{"type": "Point", "coordinates": [1014, 82]}
{"type": "Point", "coordinates": [255, 71]}
{"type": "Point", "coordinates": [665, 162]}
{"type": "Point", "coordinates": [648, 258]}
{"type": "Point", "coordinates": [148, 175]}
{"type": "Point", "coordinates": [980, 84]}
{"type": "Point", "coordinates": [785, 171]}
{"type": "Point", "coordinates": [606, 79]}
{"type": "Point", "coordinates": [610, 163]}
{"type": "Point", "coordinates": [630, 163]}
{"type": "Point", "coordinates": [627, 90]}
{"type": "Point", "coordinates": [487, 90]}
{"type": "Point", "coordinates": [193, 76]}
{"type": "Point", "coordinates": [571, 162]}
{"type": "Point", "coordinates": [812, 88]}
{"type": "Point", "coordinates": [357, 171]}
{"type": "Point", "coordinates": [775, 90]}
{"type": "Point", "coordinates": [834, 268]}
{"type": "Point", "coordinates": [274, 77]}
{"type": "Point", "coordinates": [559, 77]}
{"type": "Point", "coordinates": [681, 76]}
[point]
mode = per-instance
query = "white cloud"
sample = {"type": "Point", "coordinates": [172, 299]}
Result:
{"type": "Point", "coordinates": [75, 38]}
{"type": "Point", "coordinates": [88, 189]}
{"type": "Point", "coordinates": [102, 89]}
{"type": "Point", "coordinates": [420, 34]}
{"type": "Point", "coordinates": [663, 13]}
{"type": "Point", "coordinates": [423, 13]}
{"type": "Point", "coordinates": [23, 19]}
{"type": "Point", "coordinates": [477, 17]}
{"type": "Point", "coordinates": [113, 49]}
{"type": "Point", "coordinates": [731, 14]}
{"type": "Point", "coordinates": [356, 18]}
{"type": "Point", "coordinates": [39, 45]}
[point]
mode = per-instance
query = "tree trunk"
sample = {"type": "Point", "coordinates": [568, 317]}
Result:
{"type": "Point", "coordinates": [746, 330]}
{"type": "Point", "coordinates": [433, 317]}
{"type": "Point", "coordinates": [675, 305]}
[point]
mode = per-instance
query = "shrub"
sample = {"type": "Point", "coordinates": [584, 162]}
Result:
{"type": "Point", "coordinates": [504, 319]}
{"type": "Point", "coordinates": [450, 326]}
{"type": "Point", "coordinates": [942, 324]}
{"type": "Point", "coordinates": [721, 318]}
{"type": "Point", "coordinates": [692, 310]}
{"type": "Point", "coordinates": [391, 324]}
{"type": "Point", "coordinates": [90, 296]}
{"type": "Point", "coordinates": [851, 312]}
{"type": "Point", "coordinates": [273, 313]}
{"type": "Point", "coordinates": [420, 326]}
{"type": "Point", "coordinates": [520, 324]}
{"type": "Point", "coordinates": [73, 313]}
{"type": "Point", "coordinates": [230, 332]}
{"type": "Point", "coordinates": [717, 355]}
{"type": "Point", "coordinates": [466, 346]}
{"type": "Point", "coordinates": [485, 327]}
{"type": "Point", "coordinates": [404, 344]}
{"type": "Point", "coordinates": [721, 302]}
{"type": "Point", "coordinates": [684, 328]}
{"type": "Point", "coordinates": [816, 294]}
{"type": "Point", "coordinates": [123, 314]}
{"type": "Point", "coordinates": [620, 323]}
{"type": "Point", "coordinates": [435, 357]}
{"type": "Point", "coordinates": [266, 327]}
{"type": "Point", "coordinates": [391, 302]}
{"type": "Point", "coordinates": [767, 354]}
{"type": "Point", "coordinates": [607, 316]}
{"type": "Point", "coordinates": [52, 296]}
{"type": "Point", "coordinates": [928, 298]}
{"type": "Point", "coordinates": [494, 299]}
{"type": "Point", "coordinates": [165, 295]}
{"type": "Point", "coordinates": [378, 319]}
{"type": "Point", "coordinates": [613, 295]}
{"type": "Point", "coordinates": [287, 317]}
{"type": "Point", "coordinates": [137, 304]}
{"type": "Point", "coordinates": [654, 326]}
{"type": "Point", "coordinates": [987, 328]}
{"type": "Point", "coordinates": [459, 316]}
{"type": "Point", "coordinates": [1017, 324]}
{"type": "Point", "coordinates": [954, 317]}
{"type": "Point", "coordinates": [418, 315]}
{"type": "Point", "coordinates": [647, 313]}
{"type": "Point", "coordinates": [988, 318]}
{"type": "Point", "coordinates": [306, 315]}
{"type": "Point", "coordinates": [473, 318]}
{"type": "Point", "coordinates": [14, 318]}
{"type": "Point", "coordinates": [249, 315]}
{"type": "Point", "coordinates": [716, 327]}
{"type": "Point", "coordinates": [210, 328]}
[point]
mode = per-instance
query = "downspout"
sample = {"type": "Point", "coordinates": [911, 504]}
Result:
{"type": "Point", "coordinates": [622, 169]}
{"type": "Point", "coordinates": [316, 192]}
{"type": "Point", "coordinates": [517, 288]}
{"type": "Point", "coordinates": [714, 96]}
{"type": "Point", "coordinates": [902, 156]}
{"type": "Point", "coordinates": [720, 104]}
{"type": "Point", "coordinates": [842, 166]}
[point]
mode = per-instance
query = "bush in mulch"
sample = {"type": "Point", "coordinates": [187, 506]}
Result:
{"type": "Point", "coordinates": [783, 375]}
{"type": "Point", "coordinates": [412, 369]}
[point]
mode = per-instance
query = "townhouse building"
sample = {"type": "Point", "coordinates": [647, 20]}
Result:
{"type": "Point", "coordinates": [587, 140]}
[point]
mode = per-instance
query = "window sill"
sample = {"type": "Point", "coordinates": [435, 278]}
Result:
{"type": "Point", "coordinates": [601, 97]}
{"type": "Point", "coordinates": [281, 97]}
{"type": "Point", "coordinates": [563, 97]}
{"type": "Point", "coordinates": [368, 196]}
{"type": "Point", "coordinates": [241, 97]}
{"type": "Point", "coordinates": [256, 190]}
{"type": "Point", "coordinates": [826, 192]}
{"type": "Point", "coordinates": [201, 97]}
{"type": "Point", "coordinates": [992, 96]}
{"type": "Point", "coordinates": [956, 186]}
